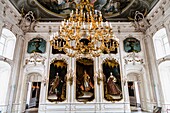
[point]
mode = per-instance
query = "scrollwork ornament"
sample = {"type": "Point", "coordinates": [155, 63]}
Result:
{"type": "Point", "coordinates": [140, 23]}
{"type": "Point", "coordinates": [28, 22]}
{"type": "Point", "coordinates": [133, 58]}
{"type": "Point", "coordinates": [35, 58]}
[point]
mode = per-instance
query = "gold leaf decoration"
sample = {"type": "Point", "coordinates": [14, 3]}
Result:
{"type": "Point", "coordinates": [86, 61]}
{"type": "Point", "coordinates": [111, 63]}
{"type": "Point", "coordinates": [60, 64]}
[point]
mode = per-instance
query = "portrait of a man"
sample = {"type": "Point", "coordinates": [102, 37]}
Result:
{"type": "Point", "coordinates": [37, 45]}
{"type": "Point", "coordinates": [84, 80]}
{"type": "Point", "coordinates": [57, 81]}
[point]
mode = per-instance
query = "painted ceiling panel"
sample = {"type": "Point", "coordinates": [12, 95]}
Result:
{"type": "Point", "coordinates": [57, 10]}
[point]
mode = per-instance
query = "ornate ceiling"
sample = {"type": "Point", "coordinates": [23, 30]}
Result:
{"type": "Point", "coordinates": [56, 10]}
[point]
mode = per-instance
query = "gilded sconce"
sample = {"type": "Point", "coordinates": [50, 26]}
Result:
{"type": "Point", "coordinates": [70, 77]}
{"type": "Point", "coordinates": [99, 78]}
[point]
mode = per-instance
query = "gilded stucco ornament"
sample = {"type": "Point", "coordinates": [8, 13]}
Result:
{"type": "Point", "coordinates": [35, 58]}
{"type": "Point", "coordinates": [133, 58]}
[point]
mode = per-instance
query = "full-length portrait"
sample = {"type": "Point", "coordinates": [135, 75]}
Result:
{"type": "Point", "coordinates": [57, 81]}
{"type": "Point", "coordinates": [84, 80]}
{"type": "Point", "coordinates": [112, 80]}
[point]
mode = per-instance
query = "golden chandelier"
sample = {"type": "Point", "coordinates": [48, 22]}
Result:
{"type": "Point", "coordinates": [84, 33]}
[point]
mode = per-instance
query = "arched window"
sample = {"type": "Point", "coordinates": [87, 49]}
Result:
{"type": "Point", "coordinates": [164, 70]}
{"type": "Point", "coordinates": [161, 43]}
{"type": "Point", "coordinates": [7, 43]}
{"type": "Point", "coordinates": [5, 70]}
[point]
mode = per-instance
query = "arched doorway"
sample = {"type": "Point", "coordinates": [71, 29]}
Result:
{"type": "Point", "coordinates": [134, 91]}
{"type": "Point", "coordinates": [33, 91]}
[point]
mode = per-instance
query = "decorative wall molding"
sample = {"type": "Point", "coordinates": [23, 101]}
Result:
{"type": "Point", "coordinates": [34, 77]}
{"type": "Point", "coordinates": [59, 57]}
{"type": "Point", "coordinates": [160, 8]}
{"type": "Point", "coordinates": [133, 58]}
{"type": "Point", "coordinates": [9, 61]}
{"type": "Point", "coordinates": [164, 59]}
{"type": "Point", "coordinates": [9, 16]}
{"type": "Point", "coordinates": [159, 16]}
{"type": "Point", "coordinates": [35, 58]}
{"type": "Point", "coordinates": [138, 69]}
{"type": "Point", "coordinates": [118, 27]}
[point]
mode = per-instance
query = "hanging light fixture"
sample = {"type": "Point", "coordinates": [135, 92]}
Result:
{"type": "Point", "coordinates": [84, 33]}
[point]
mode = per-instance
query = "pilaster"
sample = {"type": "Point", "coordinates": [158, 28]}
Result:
{"type": "Point", "coordinates": [1, 26]}
{"type": "Point", "coordinates": [167, 27]}
{"type": "Point", "coordinates": [152, 64]}
{"type": "Point", "coordinates": [15, 72]}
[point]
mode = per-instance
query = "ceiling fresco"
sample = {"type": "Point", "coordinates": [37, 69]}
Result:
{"type": "Point", "coordinates": [57, 10]}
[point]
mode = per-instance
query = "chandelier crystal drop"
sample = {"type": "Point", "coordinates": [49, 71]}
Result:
{"type": "Point", "coordinates": [84, 33]}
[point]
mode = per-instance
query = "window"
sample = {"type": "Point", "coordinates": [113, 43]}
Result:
{"type": "Point", "coordinates": [7, 43]}
{"type": "Point", "coordinates": [161, 43]}
{"type": "Point", "coordinates": [5, 71]}
{"type": "Point", "coordinates": [164, 70]}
